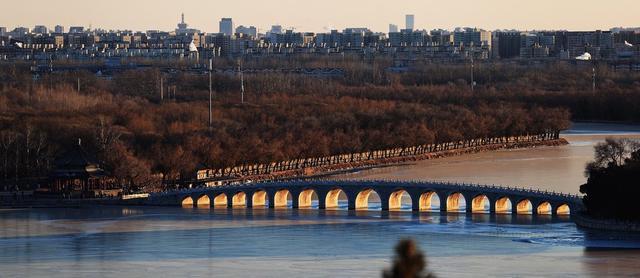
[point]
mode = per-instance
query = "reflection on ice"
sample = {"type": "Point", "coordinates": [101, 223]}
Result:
{"type": "Point", "coordinates": [95, 237]}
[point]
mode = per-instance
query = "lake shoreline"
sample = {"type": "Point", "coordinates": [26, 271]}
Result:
{"type": "Point", "coordinates": [606, 122]}
{"type": "Point", "coordinates": [304, 175]}
{"type": "Point", "coordinates": [585, 221]}
{"type": "Point", "coordinates": [347, 168]}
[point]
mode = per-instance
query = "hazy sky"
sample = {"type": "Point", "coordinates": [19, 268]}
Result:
{"type": "Point", "coordinates": [321, 15]}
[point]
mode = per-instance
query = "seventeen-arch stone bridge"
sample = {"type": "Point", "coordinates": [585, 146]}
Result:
{"type": "Point", "coordinates": [424, 196]}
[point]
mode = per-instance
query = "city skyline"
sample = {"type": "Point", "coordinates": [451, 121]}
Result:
{"type": "Point", "coordinates": [377, 15]}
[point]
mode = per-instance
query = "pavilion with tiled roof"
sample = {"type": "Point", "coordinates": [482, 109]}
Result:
{"type": "Point", "coordinates": [76, 171]}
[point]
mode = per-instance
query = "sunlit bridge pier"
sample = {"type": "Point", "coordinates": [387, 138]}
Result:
{"type": "Point", "coordinates": [421, 196]}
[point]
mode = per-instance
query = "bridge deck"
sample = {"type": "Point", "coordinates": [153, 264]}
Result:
{"type": "Point", "coordinates": [475, 196]}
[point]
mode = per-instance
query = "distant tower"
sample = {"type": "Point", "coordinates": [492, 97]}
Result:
{"type": "Point", "coordinates": [182, 25]}
{"type": "Point", "coordinates": [226, 26]}
{"type": "Point", "coordinates": [410, 22]}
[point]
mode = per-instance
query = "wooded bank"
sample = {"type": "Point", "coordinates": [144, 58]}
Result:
{"type": "Point", "coordinates": [319, 165]}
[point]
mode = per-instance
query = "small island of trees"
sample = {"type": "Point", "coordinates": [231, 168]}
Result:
{"type": "Point", "coordinates": [613, 187]}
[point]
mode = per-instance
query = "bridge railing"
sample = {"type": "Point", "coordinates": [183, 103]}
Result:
{"type": "Point", "coordinates": [394, 183]}
{"type": "Point", "coordinates": [529, 190]}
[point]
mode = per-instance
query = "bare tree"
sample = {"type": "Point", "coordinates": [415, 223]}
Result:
{"type": "Point", "coordinates": [105, 136]}
{"type": "Point", "coordinates": [40, 151]}
{"type": "Point", "coordinates": [7, 140]}
{"type": "Point", "coordinates": [613, 152]}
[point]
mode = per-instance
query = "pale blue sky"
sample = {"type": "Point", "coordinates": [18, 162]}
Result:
{"type": "Point", "coordinates": [325, 14]}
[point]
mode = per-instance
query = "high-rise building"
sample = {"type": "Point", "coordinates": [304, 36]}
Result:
{"type": "Point", "coordinates": [40, 29]}
{"type": "Point", "coordinates": [272, 35]}
{"type": "Point", "coordinates": [226, 26]}
{"type": "Point", "coordinates": [249, 31]}
{"type": "Point", "coordinates": [276, 29]}
{"type": "Point", "coordinates": [509, 45]}
{"type": "Point", "coordinates": [290, 38]}
{"type": "Point", "coordinates": [597, 43]}
{"type": "Point", "coordinates": [408, 37]}
{"type": "Point", "coordinates": [627, 37]}
{"type": "Point", "coordinates": [393, 28]}
{"type": "Point", "coordinates": [329, 40]}
{"type": "Point", "coordinates": [472, 37]}
{"type": "Point", "coordinates": [220, 43]}
{"type": "Point", "coordinates": [410, 21]}
{"type": "Point", "coordinates": [20, 32]}
{"type": "Point", "coordinates": [354, 37]}
{"type": "Point", "coordinates": [535, 51]}
{"type": "Point", "coordinates": [441, 37]}
{"type": "Point", "coordinates": [76, 29]}
{"type": "Point", "coordinates": [59, 29]}
{"type": "Point", "coordinates": [3, 31]}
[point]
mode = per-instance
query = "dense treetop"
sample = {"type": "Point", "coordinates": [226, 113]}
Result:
{"type": "Point", "coordinates": [612, 187]}
{"type": "Point", "coordinates": [137, 133]}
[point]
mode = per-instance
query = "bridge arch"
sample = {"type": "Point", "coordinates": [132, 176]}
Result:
{"type": "Point", "coordinates": [504, 206]}
{"type": "Point", "coordinates": [306, 197]}
{"type": "Point", "coordinates": [260, 199]}
{"type": "Point", "coordinates": [544, 209]}
{"type": "Point", "coordinates": [203, 202]}
{"type": "Point", "coordinates": [187, 202]}
{"type": "Point", "coordinates": [563, 209]}
{"type": "Point", "coordinates": [451, 197]}
{"type": "Point", "coordinates": [332, 201]}
{"type": "Point", "coordinates": [429, 201]}
{"type": "Point", "coordinates": [399, 198]}
{"type": "Point", "coordinates": [524, 207]}
{"type": "Point", "coordinates": [282, 199]}
{"type": "Point", "coordinates": [365, 198]}
{"type": "Point", "coordinates": [456, 202]}
{"type": "Point", "coordinates": [481, 204]}
{"type": "Point", "coordinates": [239, 200]}
{"type": "Point", "coordinates": [220, 200]}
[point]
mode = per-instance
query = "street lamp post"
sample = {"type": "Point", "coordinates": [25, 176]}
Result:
{"type": "Point", "coordinates": [210, 94]}
{"type": "Point", "coordinates": [593, 83]}
{"type": "Point", "coordinates": [473, 81]}
{"type": "Point", "coordinates": [241, 81]}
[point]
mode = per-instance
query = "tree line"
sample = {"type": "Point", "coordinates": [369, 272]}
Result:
{"type": "Point", "coordinates": [144, 132]}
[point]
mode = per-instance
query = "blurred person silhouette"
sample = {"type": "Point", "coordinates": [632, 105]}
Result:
{"type": "Point", "coordinates": [409, 262]}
